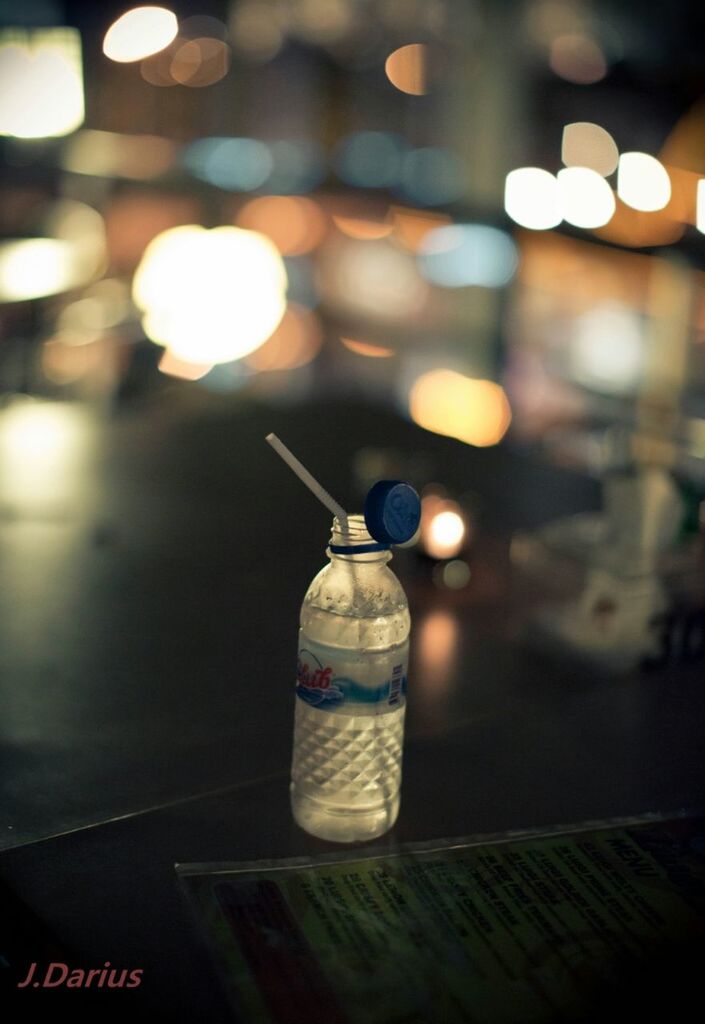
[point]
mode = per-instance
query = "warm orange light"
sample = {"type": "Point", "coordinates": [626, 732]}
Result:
{"type": "Point", "coordinates": [437, 651]}
{"type": "Point", "coordinates": [363, 348]}
{"type": "Point", "coordinates": [200, 62]}
{"type": "Point", "coordinates": [412, 226]}
{"type": "Point", "coordinates": [295, 224]}
{"type": "Point", "coordinates": [362, 229]}
{"type": "Point", "coordinates": [172, 366]}
{"type": "Point", "coordinates": [406, 69]}
{"type": "Point", "coordinates": [474, 411]}
{"type": "Point", "coordinates": [295, 342]}
{"type": "Point", "coordinates": [65, 363]}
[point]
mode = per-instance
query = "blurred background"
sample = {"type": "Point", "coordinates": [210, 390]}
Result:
{"type": "Point", "coordinates": [455, 241]}
{"type": "Point", "coordinates": [436, 205]}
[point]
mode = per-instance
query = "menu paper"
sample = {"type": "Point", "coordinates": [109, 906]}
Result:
{"type": "Point", "coordinates": [516, 928]}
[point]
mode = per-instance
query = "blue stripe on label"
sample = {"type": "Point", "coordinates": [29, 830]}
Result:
{"type": "Point", "coordinates": [348, 691]}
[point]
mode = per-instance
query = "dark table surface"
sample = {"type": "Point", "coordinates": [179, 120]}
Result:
{"type": "Point", "coordinates": [147, 637]}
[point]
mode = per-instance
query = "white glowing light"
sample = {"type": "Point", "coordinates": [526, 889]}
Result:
{"type": "Point", "coordinates": [445, 534]}
{"type": "Point", "coordinates": [34, 267]}
{"type": "Point", "coordinates": [41, 444]}
{"type": "Point", "coordinates": [139, 33]}
{"type": "Point", "coordinates": [643, 182]}
{"type": "Point", "coordinates": [460, 255]}
{"type": "Point", "coordinates": [585, 198]}
{"type": "Point", "coordinates": [373, 278]}
{"type": "Point", "coordinates": [700, 212]}
{"type": "Point", "coordinates": [41, 83]}
{"type": "Point", "coordinates": [531, 198]}
{"type": "Point", "coordinates": [588, 145]}
{"type": "Point", "coordinates": [210, 296]}
{"type": "Point", "coordinates": [607, 351]}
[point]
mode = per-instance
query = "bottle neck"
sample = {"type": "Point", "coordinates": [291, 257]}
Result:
{"type": "Point", "coordinates": [355, 543]}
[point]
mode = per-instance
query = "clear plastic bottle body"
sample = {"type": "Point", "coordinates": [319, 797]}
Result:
{"type": "Point", "coordinates": [350, 701]}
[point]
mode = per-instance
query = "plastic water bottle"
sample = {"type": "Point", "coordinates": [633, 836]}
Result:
{"type": "Point", "coordinates": [351, 680]}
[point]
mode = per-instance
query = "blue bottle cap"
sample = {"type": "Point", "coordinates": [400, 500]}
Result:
{"type": "Point", "coordinates": [392, 511]}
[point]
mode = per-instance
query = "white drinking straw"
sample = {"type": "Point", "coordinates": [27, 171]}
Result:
{"type": "Point", "coordinates": [303, 474]}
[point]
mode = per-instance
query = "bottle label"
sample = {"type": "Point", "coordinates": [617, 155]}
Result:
{"type": "Point", "coordinates": [366, 683]}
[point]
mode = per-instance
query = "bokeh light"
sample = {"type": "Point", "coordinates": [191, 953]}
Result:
{"type": "Point", "coordinates": [365, 348]}
{"type": "Point", "coordinates": [442, 530]}
{"type": "Point", "coordinates": [321, 21]}
{"type": "Point", "coordinates": [406, 68]}
{"type": "Point", "coordinates": [578, 59]}
{"type": "Point", "coordinates": [296, 342]}
{"type": "Point", "coordinates": [296, 224]}
{"type": "Point", "coordinates": [700, 206]}
{"type": "Point", "coordinates": [370, 159]}
{"type": "Point", "coordinates": [437, 653]}
{"type": "Point", "coordinates": [607, 350]}
{"type": "Point", "coordinates": [411, 226]}
{"type": "Point", "coordinates": [41, 82]}
{"type": "Point", "coordinates": [373, 278]}
{"type": "Point", "coordinates": [171, 366]}
{"type": "Point", "coordinates": [474, 411]}
{"type": "Point", "coordinates": [445, 534]}
{"type": "Point", "coordinates": [83, 229]}
{"type": "Point", "coordinates": [41, 448]}
{"type": "Point", "coordinates": [139, 33]}
{"type": "Point", "coordinates": [298, 166]}
{"type": "Point", "coordinates": [643, 182]}
{"type": "Point", "coordinates": [202, 26]}
{"type": "Point", "coordinates": [103, 305]}
{"type": "Point", "coordinates": [531, 198]}
{"type": "Point", "coordinates": [133, 217]}
{"type": "Point", "coordinates": [72, 254]}
{"type": "Point", "coordinates": [234, 164]}
{"type": "Point", "coordinates": [200, 62]}
{"type": "Point", "coordinates": [362, 228]}
{"type": "Point", "coordinates": [456, 574]}
{"type": "Point", "coordinates": [461, 255]}
{"type": "Point", "coordinates": [588, 145]}
{"type": "Point", "coordinates": [431, 176]}
{"type": "Point", "coordinates": [31, 268]}
{"type": "Point", "coordinates": [115, 155]}
{"type": "Point", "coordinates": [64, 363]}
{"type": "Point", "coordinates": [585, 199]}
{"type": "Point", "coordinates": [254, 31]}
{"type": "Point", "coordinates": [210, 296]}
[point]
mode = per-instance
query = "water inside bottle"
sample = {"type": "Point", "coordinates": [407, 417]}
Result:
{"type": "Point", "coordinates": [348, 733]}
